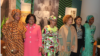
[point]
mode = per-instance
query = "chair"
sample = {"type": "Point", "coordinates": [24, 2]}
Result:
{"type": "Point", "coordinates": [94, 48]}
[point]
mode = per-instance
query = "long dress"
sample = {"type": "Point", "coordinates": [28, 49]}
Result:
{"type": "Point", "coordinates": [89, 39]}
{"type": "Point", "coordinates": [14, 33]}
{"type": "Point", "coordinates": [67, 38]}
{"type": "Point", "coordinates": [33, 40]}
{"type": "Point", "coordinates": [50, 40]}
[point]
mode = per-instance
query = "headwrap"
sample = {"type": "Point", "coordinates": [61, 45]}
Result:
{"type": "Point", "coordinates": [14, 11]}
{"type": "Point", "coordinates": [89, 17]}
{"type": "Point", "coordinates": [52, 17]}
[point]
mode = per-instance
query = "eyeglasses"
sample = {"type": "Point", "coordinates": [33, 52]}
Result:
{"type": "Point", "coordinates": [54, 20]}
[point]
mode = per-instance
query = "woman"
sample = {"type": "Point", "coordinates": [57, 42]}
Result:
{"type": "Point", "coordinates": [33, 40]}
{"type": "Point", "coordinates": [14, 33]}
{"type": "Point", "coordinates": [50, 38]}
{"type": "Point", "coordinates": [89, 36]}
{"type": "Point", "coordinates": [67, 37]}
{"type": "Point", "coordinates": [80, 34]}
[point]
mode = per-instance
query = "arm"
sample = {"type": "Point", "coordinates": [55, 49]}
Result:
{"type": "Point", "coordinates": [83, 37]}
{"type": "Point", "coordinates": [7, 36]}
{"type": "Point", "coordinates": [24, 31]}
{"type": "Point", "coordinates": [40, 37]}
{"type": "Point", "coordinates": [61, 35]}
{"type": "Point", "coordinates": [75, 42]}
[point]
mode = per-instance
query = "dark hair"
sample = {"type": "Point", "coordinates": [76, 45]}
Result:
{"type": "Point", "coordinates": [28, 16]}
{"type": "Point", "coordinates": [77, 18]}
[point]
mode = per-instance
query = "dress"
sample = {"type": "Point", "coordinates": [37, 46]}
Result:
{"type": "Point", "coordinates": [14, 33]}
{"type": "Point", "coordinates": [50, 40]}
{"type": "Point", "coordinates": [33, 40]}
{"type": "Point", "coordinates": [67, 38]}
{"type": "Point", "coordinates": [80, 35]}
{"type": "Point", "coordinates": [89, 39]}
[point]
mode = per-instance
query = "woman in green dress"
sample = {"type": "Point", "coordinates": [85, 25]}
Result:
{"type": "Point", "coordinates": [89, 36]}
{"type": "Point", "coordinates": [67, 37]}
{"type": "Point", "coordinates": [50, 38]}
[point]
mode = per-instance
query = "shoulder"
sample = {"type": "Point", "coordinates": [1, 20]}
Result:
{"type": "Point", "coordinates": [72, 27]}
{"type": "Point", "coordinates": [94, 26]}
{"type": "Point", "coordinates": [37, 26]}
{"type": "Point", "coordinates": [62, 26]}
{"type": "Point", "coordinates": [7, 24]}
{"type": "Point", "coordinates": [82, 26]}
{"type": "Point", "coordinates": [56, 27]}
{"type": "Point", "coordinates": [47, 26]}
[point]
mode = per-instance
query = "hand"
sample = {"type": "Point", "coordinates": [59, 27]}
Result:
{"type": "Point", "coordinates": [63, 47]}
{"type": "Point", "coordinates": [72, 47]}
{"type": "Point", "coordinates": [56, 50]}
{"type": "Point", "coordinates": [43, 51]}
{"type": "Point", "coordinates": [83, 49]}
{"type": "Point", "coordinates": [15, 51]}
{"type": "Point", "coordinates": [40, 49]}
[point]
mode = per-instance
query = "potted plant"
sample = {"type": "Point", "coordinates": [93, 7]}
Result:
{"type": "Point", "coordinates": [3, 22]}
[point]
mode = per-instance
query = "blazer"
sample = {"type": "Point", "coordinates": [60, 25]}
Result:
{"type": "Point", "coordinates": [83, 35]}
{"type": "Point", "coordinates": [63, 33]}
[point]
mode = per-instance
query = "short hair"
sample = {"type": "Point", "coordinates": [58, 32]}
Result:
{"type": "Point", "coordinates": [77, 18]}
{"type": "Point", "coordinates": [28, 16]}
{"type": "Point", "coordinates": [66, 18]}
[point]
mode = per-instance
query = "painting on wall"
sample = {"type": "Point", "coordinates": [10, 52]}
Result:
{"type": "Point", "coordinates": [71, 11]}
{"type": "Point", "coordinates": [43, 9]}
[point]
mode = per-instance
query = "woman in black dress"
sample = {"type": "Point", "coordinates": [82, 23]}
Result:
{"type": "Point", "coordinates": [80, 35]}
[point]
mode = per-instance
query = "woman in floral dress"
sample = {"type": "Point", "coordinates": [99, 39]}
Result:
{"type": "Point", "coordinates": [50, 38]}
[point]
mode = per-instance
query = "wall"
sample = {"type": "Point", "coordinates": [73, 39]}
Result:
{"type": "Point", "coordinates": [61, 11]}
{"type": "Point", "coordinates": [77, 4]}
{"type": "Point", "coordinates": [92, 7]}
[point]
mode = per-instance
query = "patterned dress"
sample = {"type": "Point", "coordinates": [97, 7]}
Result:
{"type": "Point", "coordinates": [14, 33]}
{"type": "Point", "coordinates": [50, 40]}
{"type": "Point", "coordinates": [89, 39]}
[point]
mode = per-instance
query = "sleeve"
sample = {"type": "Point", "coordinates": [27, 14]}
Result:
{"type": "Point", "coordinates": [40, 37]}
{"type": "Point", "coordinates": [24, 31]}
{"type": "Point", "coordinates": [7, 39]}
{"type": "Point", "coordinates": [75, 42]}
{"type": "Point", "coordinates": [61, 35]}
{"type": "Point", "coordinates": [43, 36]}
{"type": "Point", "coordinates": [4, 30]}
{"type": "Point", "coordinates": [83, 36]}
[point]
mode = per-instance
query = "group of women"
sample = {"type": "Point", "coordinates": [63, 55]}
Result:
{"type": "Point", "coordinates": [29, 40]}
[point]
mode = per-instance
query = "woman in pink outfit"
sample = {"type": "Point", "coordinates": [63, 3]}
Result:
{"type": "Point", "coordinates": [33, 40]}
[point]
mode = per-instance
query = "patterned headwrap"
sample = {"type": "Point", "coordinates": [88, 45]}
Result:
{"type": "Point", "coordinates": [14, 11]}
{"type": "Point", "coordinates": [52, 17]}
{"type": "Point", "coordinates": [89, 17]}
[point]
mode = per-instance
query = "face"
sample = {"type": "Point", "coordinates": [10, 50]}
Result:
{"type": "Point", "coordinates": [70, 21]}
{"type": "Point", "coordinates": [91, 20]}
{"type": "Point", "coordinates": [53, 22]}
{"type": "Point", "coordinates": [17, 16]}
{"type": "Point", "coordinates": [31, 20]}
{"type": "Point", "coordinates": [78, 21]}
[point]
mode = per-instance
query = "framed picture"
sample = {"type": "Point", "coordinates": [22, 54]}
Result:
{"type": "Point", "coordinates": [71, 11]}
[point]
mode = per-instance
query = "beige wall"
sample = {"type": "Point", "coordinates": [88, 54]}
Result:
{"type": "Point", "coordinates": [92, 7]}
